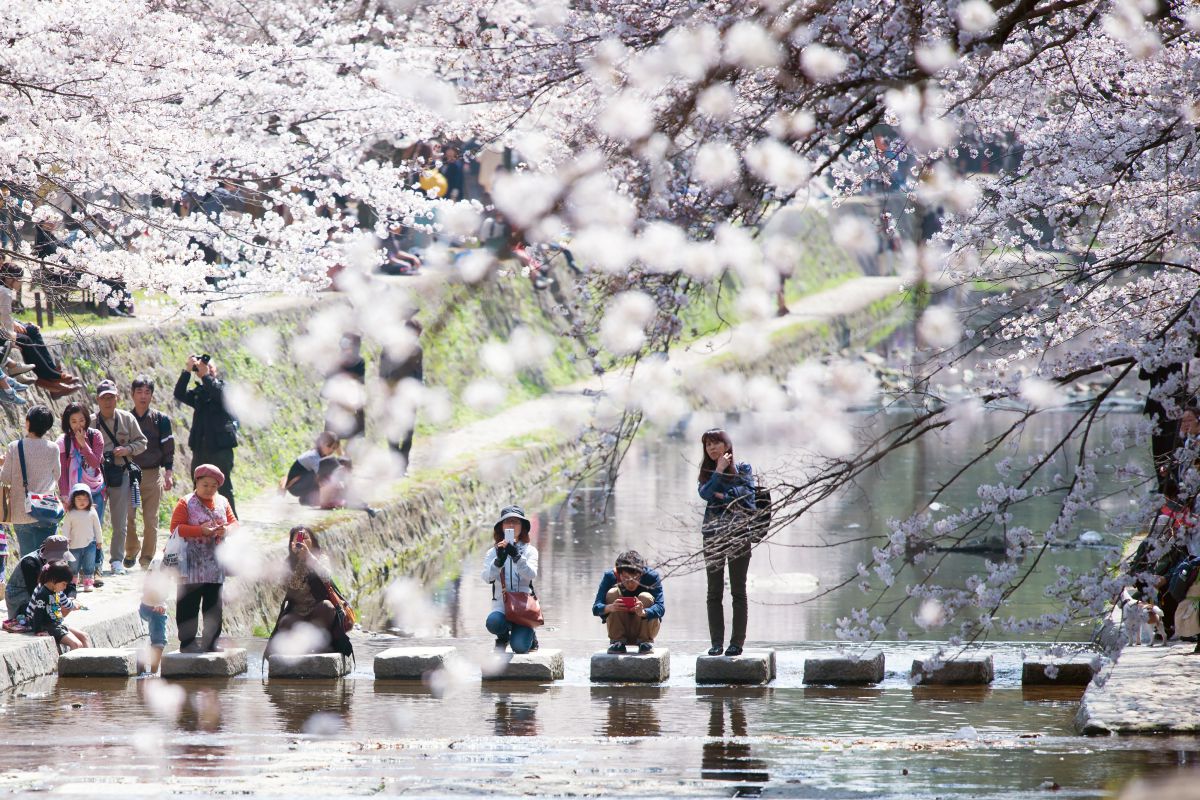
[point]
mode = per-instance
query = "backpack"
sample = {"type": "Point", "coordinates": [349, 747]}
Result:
{"type": "Point", "coordinates": [1182, 576]}
{"type": "Point", "coordinates": [760, 523]}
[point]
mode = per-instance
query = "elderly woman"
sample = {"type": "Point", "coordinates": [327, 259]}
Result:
{"type": "Point", "coordinates": [513, 562]}
{"type": "Point", "coordinates": [306, 601]}
{"type": "Point", "coordinates": [203, 518]}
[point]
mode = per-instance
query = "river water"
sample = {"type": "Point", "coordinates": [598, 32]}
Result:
{"type": "Point", "coordinates": [148, 737]}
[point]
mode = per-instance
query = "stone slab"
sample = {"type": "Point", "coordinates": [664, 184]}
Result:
{"type": "Point", "coordinates": [844, 670]}
{"type": "Point", "coordinates": [223, 664]}
{"type": "Point", "coordinates": [410, 663]}
{"type": "Point", "coordinates": [1073, 672]}
{"type": "Point", "coordinates": [751, 667]}
{"type": "Point", "coordinates": [98, 662]}
{"type": "Point", "coordinates": [654, 667]}
{"type": "Point", "coordinates": [971, 670]}
{"type": "Point", "coordinates": [328, 666]}
{"type": "Point", "coordinates": [1148, 690]}
{"type": "Point", "coordinates": [540, 665]}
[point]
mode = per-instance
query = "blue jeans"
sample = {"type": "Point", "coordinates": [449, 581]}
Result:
{"type": "Point", "coordinates": [520, 638]}
{"type": "Point", "coordinates": [30, 535]}
{"type": "Point", "coordinates": [85, 560]}
{"type": "Point", "coordinates": [156, 621]}
{"type": "Point", "coordinates": [98, 504]}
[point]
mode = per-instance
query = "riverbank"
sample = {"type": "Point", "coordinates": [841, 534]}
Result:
{"type": "Point", "coordinates": [1147, 690]}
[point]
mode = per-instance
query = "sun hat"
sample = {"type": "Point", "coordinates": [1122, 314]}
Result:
{"type": "Point", "coordinates": [513, 512]}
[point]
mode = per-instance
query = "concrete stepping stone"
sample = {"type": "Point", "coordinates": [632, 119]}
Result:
{"type": "Point", "coordinates": [1072, 672]}
{"type": "Point", "coordinates": [654, 667]}
{"type": "Point", "coordinates": [223, 664]}
{"type": "Point", "coordinates": [315, 665]}
{"type": "Point", "coordinates": [958, 672]}
{"type": "Point", "coordinates": [98, 662]}
{"type": "Point", "coordinates": [540, 665]}
{"type": "Point", "coordinates": [844, 670]}
{"type": "Point", "coordinates": [751, 667]}
{"type": "Point", "coordinates": [410, 663]}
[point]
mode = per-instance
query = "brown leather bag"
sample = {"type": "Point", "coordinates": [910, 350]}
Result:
{"type": "Point", "coordinates": [521, 608]}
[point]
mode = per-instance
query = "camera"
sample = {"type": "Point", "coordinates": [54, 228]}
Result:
{"type": "Point", "coordinates": [205, 358]}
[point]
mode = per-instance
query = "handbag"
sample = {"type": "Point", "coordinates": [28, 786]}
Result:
{"type": "Point", "coordinates": [175, 553]}
{"type": "Point", "coordinates": [521, 608]}
{"type": "Point", "coordinates": [343, 605]}
{"type": "Point", "coordinates": [46, 509]}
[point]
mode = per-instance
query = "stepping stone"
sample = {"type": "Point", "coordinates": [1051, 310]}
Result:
{"type": "Point", "coordinates": [316, 665]}
{"type": "Point", "coordinates": [752, 666]}
{"type": "Point", "coordinates": [410, 663]}
{"type": "Point", "coordinates": [541, 665]}
{"type": "Point", "coordinates": [958, 671]}
{"type": "Point", "coordinates": [1075, 672]}
{"type": "Point", "coordinates": [98, 662]}
{"type": "Point", "coordinates": [223, 664]}
{"type": "Point", "coordinates": [844, 671]}
{"type": "Point", "coordinates": [654, 667]}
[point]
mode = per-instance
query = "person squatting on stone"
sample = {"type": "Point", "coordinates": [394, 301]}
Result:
{"type": "Point", "coordinates": [123, 439]}
{"type": "Point", "coordinates": [203, 518]}
{"type": "Point", "coordinates": [308, 587]}
{"type": "Point", "coordinates": [631, 603]}
{"type": "Point", "coordinates": [213, 435]}
{"type": "Point", "coordinates": [513, 563]}
{"type": "Point", "coordinates": [50, 605]}
{"type": "Point", "coordinates": [157, 463]}
{"type": "Point", "coordinates": [728, 489]}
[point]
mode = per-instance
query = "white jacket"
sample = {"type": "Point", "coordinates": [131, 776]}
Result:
{"type": "Point", "coordinates": [80, 527]}
{"type": "Point", "coordinates": [518, 574]}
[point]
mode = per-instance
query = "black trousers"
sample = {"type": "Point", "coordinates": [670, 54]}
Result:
{"type": "Point", "coordinates": [222, 460]}
{"type": "Point", "coordinates": [35, 351]}
{"type": "Point", "coordinates": [188, 599]}
{"type": "Point", "coordinates": [719, 551]}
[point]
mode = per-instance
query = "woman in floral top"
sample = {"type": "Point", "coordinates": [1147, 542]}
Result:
{"type": "Point", "coordinates": [203, 518]}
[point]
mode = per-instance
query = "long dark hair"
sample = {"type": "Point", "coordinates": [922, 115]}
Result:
{"type": "Point", "coordinates": [707, 465]}
{"type": "Point", "coordinates": [314, 545]}
{"type": "Point", "coordinates": [71, 410]}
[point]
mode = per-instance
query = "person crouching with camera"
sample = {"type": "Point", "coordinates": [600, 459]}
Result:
{"type": "Point", "coordinates": [214, 431]}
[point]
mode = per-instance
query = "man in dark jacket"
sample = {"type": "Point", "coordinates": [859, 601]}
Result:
{"type": "Point", "coordinates": [214, 430]}
{"type": "Point", "coordinates": [631, 603]}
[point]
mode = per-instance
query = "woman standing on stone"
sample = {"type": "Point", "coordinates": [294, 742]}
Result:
{"type": "Point", "coordinates": [204, 519]}
{"type": "Point", "coordinates": [728, 489]}
{"type": "Point", "coordinates": [306, 601]}
{"type": "Point", "coordinates": [512, 562]}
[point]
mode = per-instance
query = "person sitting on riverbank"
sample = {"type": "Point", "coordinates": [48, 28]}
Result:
{"type": "Point", "coordinates": [308, 621]}
{"type": "Point", "coordinates": [512, 561]}
{"type": "Point", "coordinates": [631, 603]}
{"type": "Point", "coordinates": [50, 604]}
{"type": "Point", "coordinates": [24, 579]}
{"type": "Point", "coordinates": [318, 477]}
{"type": "Point", "coordinates": [203, 518]}
{"type": "Point", "coordinates": [727, 487]}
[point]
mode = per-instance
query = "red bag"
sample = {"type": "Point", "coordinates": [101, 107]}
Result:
{"type": "Point", "coordinates": [521, 608]}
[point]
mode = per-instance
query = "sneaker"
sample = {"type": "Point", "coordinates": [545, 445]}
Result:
{"type": "Point", "coordinates": [117, 568]}
{"type": "Point", "coordinates": [716, 650]}
{"type": "Point", "coordinates": [87, 584]}
{"type": "Point", "coordinates": [194, 647]}
{"type": "Point", "coordinates": [501, 644]}
{"type": "Point", "coordinates": [645, 647]}
{"type": "Point", "coordinates": [129, 562]}
{"type": "Point", "coordinates": [98, 583]}
{"type": "Point", "coordinates": [534, 646]}
{"type": "Point", "coordinates": [617, 648]}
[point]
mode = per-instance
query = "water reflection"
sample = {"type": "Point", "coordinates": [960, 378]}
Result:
{"type": "Point", "coordinates": [723, 759]}
{"type": "Point", "coordinates": [631, 710]}
{"type": "Point", "coordinates": [321, 708]}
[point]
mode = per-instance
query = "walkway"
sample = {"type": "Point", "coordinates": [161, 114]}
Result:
{"type": "Point", "coordinates": [1147, 690]}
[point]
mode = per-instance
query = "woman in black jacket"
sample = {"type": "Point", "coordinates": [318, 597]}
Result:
{"type": "Point", "coordinates": [307, 600]}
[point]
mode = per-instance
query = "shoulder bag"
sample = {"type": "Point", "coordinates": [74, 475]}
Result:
{"type": "Point", "coordinates": [46, 509]}
{"type": "Point", "coordinates": [341, 604]}
{"type": "Point", "coordinates": [114, 473]}
{"type": "Point", "coordinates": [521, 608]}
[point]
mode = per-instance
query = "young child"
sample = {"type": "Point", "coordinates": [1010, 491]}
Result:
{"type": "Point", "coordinates": [156, 586]}
{"type": "Point", "coordinates": [49, 606]}
{"type": "Point", "coordinates": [81, 526]}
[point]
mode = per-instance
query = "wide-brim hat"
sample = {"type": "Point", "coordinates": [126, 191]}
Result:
{"type": "Point", "coordinates": [513, 512]}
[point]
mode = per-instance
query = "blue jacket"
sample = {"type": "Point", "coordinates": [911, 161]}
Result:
{"type": "Point", "coordinates": [737, 488]}
{"type": "Point", "coordinates": [650, 582]}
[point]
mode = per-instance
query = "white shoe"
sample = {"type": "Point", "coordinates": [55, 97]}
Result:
{"type": "Point", "coordinates": [117, 568]}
